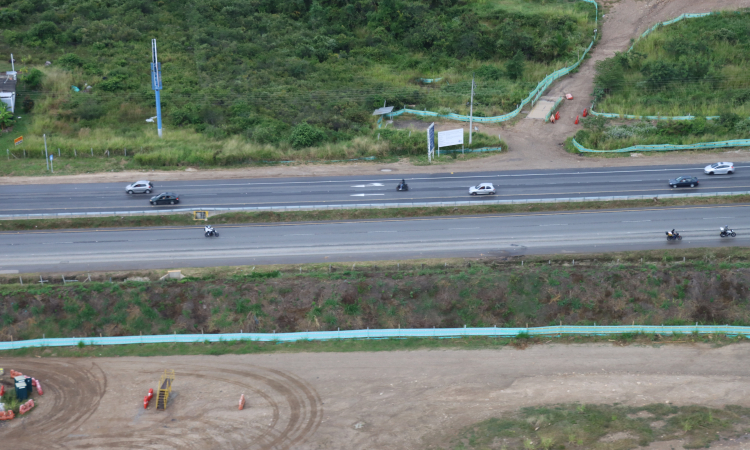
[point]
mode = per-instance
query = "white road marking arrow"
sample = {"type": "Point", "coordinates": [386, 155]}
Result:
{"type": "Point", "coordinates": [362, 195]}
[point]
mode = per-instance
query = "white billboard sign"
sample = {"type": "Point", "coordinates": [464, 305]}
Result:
{"type": "Point", "coordinates": [450, 137]}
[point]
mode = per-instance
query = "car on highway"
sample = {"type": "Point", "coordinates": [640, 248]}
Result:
{"type": "Point", "coordinates": [483, 188]}
{"type": "Point", "coordinates": [719, 168]}
{"type": "Point", "coordinates": [165, 198]}
{"type": "Point", "coordinates": [140, 187]}
{"type": "Point", "coordinates": [683, 182]}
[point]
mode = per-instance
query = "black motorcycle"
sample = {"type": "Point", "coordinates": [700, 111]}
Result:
{"type": "Point", "coordinates": [726, 232]}
{"type": "Point", "coordinates": [209, 232]}
{"type": "Point", "coordinates": [402, 186]}
{"type": "Point", "coordinates": [673, 236]}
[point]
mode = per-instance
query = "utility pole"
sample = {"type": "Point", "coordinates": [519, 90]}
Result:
{"type": "Point", "coordinates": [156, 83]}
{"type": "Point", "coordinates": [46, 156]}
{"type": "Point", "coordinates": [471, 109]}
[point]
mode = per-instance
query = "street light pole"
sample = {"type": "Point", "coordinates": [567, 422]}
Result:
{"type": "Point", "coordinates": [471, 109]}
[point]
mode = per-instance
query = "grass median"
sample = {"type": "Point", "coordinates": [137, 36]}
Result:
{"type": "Point", "coordinates": [240, 217]}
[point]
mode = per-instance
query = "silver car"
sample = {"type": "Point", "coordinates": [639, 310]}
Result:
{"type": "Point", "coordinates": [719, 168]}
{"type": "Point", "coordinates": [483, 188]}
{"type": "Point", "coordinates": [140, 187]}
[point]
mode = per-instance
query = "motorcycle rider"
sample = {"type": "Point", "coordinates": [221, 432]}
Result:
{"type": "Point", "coordinates": [208, 229]}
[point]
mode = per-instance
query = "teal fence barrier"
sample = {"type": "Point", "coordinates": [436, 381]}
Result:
{"type": "Point", "coordinates": [554, 108]}
{"type": "Point", "coordinates": [644, 34]}
{"type": "Point", "coordinates": [531, 98]}
{"type": "Point", "coordinates": [668, 147]}
{"type": "Point", "coordinates": [429, 80]}
{"type": "Point", "coordinates": [635, 117]}
{"type": "Point", "coordinates": [444, 333]}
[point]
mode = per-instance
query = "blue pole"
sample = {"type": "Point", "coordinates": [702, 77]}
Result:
{"type": "Point", "coordinates": [158, 112]}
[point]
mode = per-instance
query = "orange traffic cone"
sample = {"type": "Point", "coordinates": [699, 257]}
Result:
{"type": "Point", "coordinates": [242, 402]}
{"type": "Point", "coordinates": [585, 112]}
{"type": "Point", "coordinates": [552, 119]}
{"type": "Point", "coordinates": [576, 120]}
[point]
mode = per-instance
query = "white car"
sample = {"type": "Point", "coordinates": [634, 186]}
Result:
{"type": "Point", "coordinates": [484, 188]}
{"type": "Point", "coordinates": [719, 168]}
{"type": "Point", "coordinates": [140, 187]}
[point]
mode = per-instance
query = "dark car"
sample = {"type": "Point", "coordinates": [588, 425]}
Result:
{"type": "Point", "coordinates": [166, 198]}
{"type": "Point", "coordinates": [684, 182]}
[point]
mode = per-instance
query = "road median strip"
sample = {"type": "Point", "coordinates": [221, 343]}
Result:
{"type": "Point", "coordinates": [268, 214]}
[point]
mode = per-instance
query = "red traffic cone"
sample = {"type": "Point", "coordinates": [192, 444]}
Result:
{"type": "Point", "coordinates": [585, 112]}
{"type": "Point", "coordinates": [576, 122]}
{"type": "Point", "coordinates": [557, 115]}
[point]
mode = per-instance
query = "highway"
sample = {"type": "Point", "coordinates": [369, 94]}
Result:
{"type": "Point", "coordinates": [475, 236]}
{"type": "Point", "coordinates": [440, 187]}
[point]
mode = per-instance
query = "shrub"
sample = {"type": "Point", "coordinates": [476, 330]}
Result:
{"type": "Point", "coordinates": [33, 80]}
{"type": "Point", "coordinates": [44, 30]}
{"type": "Point", "coordinates": [70, 61]}
{"type": "Point", "coordinates": [489, 72]}
{"type": "Point", "coordinates": [306, 135]}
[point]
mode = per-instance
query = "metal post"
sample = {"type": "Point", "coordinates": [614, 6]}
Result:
{"type": "Point", "coordinates": [471, 108]}
{"type": "Point", "coordinates": [156, 83]}
{"type": "Point", "coordinates": [46, 156]}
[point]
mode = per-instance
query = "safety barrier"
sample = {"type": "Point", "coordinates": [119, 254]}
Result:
{"type": "Point", "coordinates": [668, 147]}
{"type": "Point", "coordinates": [430, 80]}
{"type": "Point", "coordinates": [531, 98]}
{"type": "Point", "coordinates": [443, 333]}
{"type": "Point", "coordinates": [554, 108]}
{"type": "Point", "coordinates": [669, 22]}
{"type": "Point", "coordinates": [383, 205]}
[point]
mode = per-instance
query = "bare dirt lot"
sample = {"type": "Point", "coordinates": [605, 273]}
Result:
{"type": "Point", "coordinates": [394, 400]}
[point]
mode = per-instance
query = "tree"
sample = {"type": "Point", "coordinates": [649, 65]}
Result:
{"type": "Point", "coordinates": [514, 66]}
{"type": "Point", "coordinates": [6, 117]}
{"type": "Point", "coordinates": [33, 79]}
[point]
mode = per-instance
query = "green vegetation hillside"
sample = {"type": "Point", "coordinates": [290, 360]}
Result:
{"type": "Point", "coordinates": [271, 77]}
{"type": "Point", "coordinates": [693, 67]}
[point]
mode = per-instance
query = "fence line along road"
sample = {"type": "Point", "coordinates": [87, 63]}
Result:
{"type": "Point", "coordinates": [67, 215]}
{"type": "Point", "coordinates": [441, 333]}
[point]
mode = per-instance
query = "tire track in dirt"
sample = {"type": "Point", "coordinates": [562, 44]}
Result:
{"type": "Point", "coordinates": [71, 395]}
{"type": "Point", "coordinates": [296, 415]}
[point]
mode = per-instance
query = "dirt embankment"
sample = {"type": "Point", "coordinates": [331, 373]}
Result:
{"type": "Point", "coordinates": [505, 296]}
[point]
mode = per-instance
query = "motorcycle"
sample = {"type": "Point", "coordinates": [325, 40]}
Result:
{"type": "Point", "coordinates": [675, 236]}
{"type": "Point", "coordinates": [726, 232]}
{"type": "Point", "coordinates": [209, 231]}
{"type": "Point", "coordinates": [402, 186]}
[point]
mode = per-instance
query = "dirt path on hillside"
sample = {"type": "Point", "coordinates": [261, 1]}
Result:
{"type": "Point", "coordinates": [533, 144]}
{"type": "Point", "coordinates": [394, 400]}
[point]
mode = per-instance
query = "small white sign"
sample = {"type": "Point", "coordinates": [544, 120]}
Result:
{"type": "Point", "coordinates": [450, 137]}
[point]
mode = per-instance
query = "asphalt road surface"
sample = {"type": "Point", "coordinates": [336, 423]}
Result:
{"type": "Point", "coordinates": [441, 187]}
{"type": "Point", "coordinates": [475, 236]}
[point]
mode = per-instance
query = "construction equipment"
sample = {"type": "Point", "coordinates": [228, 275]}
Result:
{"type": "Point", "coordinates": [165, 388]}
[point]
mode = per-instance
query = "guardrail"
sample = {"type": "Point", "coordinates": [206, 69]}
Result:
{"type": "Point", "coordinates": [667, 147]}
{"type": "Point", "coordinates": [371, 205]}
{"type": "Point", "coordinates": [440, 333]}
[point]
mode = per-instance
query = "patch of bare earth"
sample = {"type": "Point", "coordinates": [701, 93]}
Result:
{"type": "Point", "coordinates": [394, 400]}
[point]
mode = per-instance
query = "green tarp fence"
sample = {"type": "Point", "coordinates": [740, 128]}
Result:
{"type": "Point", "coordinates": [440, 333]}
{"type": "Point", "coordinates": [531, 98]}
{"type": "Point", "coordinates": [668, 147]}
{"type": "Point", "coordinates": [554, 108]}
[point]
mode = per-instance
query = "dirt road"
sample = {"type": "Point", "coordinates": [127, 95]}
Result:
{"type": "Point", "coordinates": [394, 400]}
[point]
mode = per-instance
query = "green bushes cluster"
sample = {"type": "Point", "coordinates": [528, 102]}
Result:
{"type": "Point", "coordinates": [695, 66]}
{"type": "Point", "coordinates": [295, 73]}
